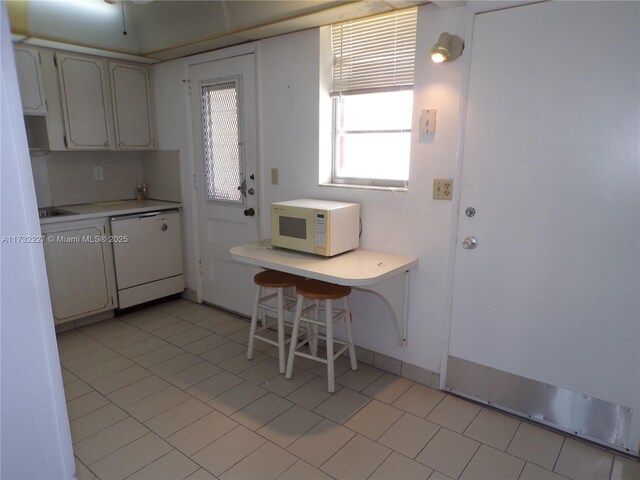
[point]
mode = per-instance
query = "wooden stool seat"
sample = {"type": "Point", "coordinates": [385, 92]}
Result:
{"type": "Point", "coordinates": [275, 279]}
{"type": "Point", "coordinates": [318, 290]}
{"type": "Point", "coordinates": [270, 297]}
{"type": "Point", "coordinates": [321, 292]}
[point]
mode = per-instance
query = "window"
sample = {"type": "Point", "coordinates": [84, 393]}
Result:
{"type": "Point", "coordinates": [372, 94]}
{"type": "Point", "coordinates": [220, 120]}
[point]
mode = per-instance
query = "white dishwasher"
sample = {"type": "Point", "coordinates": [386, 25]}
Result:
{"type": "Point", "coordinates": [147, 252]}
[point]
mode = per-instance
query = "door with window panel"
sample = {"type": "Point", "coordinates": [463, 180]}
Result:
{"type": "Point", "coordinates": [223, 108]}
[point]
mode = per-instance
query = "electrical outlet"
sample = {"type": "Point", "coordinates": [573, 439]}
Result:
{"type": "Point", "coordinates": [442, 188]}
{"type": "Point", "coordinates": [275, 176]}
{"type": "Point", "coordinates": [98, 174]}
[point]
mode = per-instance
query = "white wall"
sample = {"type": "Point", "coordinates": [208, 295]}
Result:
{"type": "Point", "coordinates": [292, 99]}
{"type": "Point", "coordinates": [171, 117]}
{"type": "Point", "coordinates": [403, 223]}
{"type": "Point", "coordinates": [34, 437]}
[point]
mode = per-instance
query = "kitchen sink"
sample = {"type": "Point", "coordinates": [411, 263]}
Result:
{"type": "Point", "coordinates": [52, 212]}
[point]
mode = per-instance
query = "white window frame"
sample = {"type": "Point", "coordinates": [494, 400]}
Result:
{"type": "Point", "coordinates": [361, 181]}
{"type": "Point", "coordinates": [379, 79]}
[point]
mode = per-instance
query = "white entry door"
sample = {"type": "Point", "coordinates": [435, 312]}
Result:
{"type": "Point", "coordinates": [223, 105]}
{"type": "Point", "coordinates": [551, 169]}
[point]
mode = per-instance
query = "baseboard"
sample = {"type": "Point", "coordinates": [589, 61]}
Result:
{"type": "Point", "coordinates": [83, 322]}
{"type": "Point", "coordinates": [585, 416]}
{"type": "Point", "coordinates": [190, 294]}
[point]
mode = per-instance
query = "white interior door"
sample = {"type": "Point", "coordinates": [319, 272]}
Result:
{"type": "Point", "coordinates": [223, 101]}
{"type": "Point", "coordinates": [551, 166]}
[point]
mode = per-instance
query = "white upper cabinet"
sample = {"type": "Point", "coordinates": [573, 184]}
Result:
{"type": "Point", "coordinates": [132, 106]}
{"type": "Point", "coordinates": [30, 80]}
{"type": "Point", "coordinates": [86, 102]}
{"type": "Point", "coordinates": [92, 103]}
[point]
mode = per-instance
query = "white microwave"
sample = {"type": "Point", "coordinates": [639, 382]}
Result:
{"type": "Point", "coordinates": [322, 227]}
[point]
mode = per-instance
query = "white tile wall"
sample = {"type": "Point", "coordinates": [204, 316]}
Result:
{"type": "Point", "coordinates": [67, 178]}
{"type": "Point", "coordinates": [161, 172]}
{"type": "Point", "coordinates": [71, 178]}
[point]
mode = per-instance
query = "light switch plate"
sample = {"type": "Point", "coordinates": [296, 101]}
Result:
{"type": "Point", "coordinates": [442, 188]}
{"type": "Point", "coordinates": [428, 121]}
{"type": "Point", "coordinates": [98, 174]}
{"type": "Point", "coordinates": [275, 180]}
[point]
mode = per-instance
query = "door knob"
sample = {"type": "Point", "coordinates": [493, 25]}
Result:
{"type": "Point", "coordinates": [469, 243]}
{"type": "Point", "coordinates": [249, 212]}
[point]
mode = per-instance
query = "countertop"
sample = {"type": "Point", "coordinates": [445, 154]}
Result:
{"type": "Point", "coordinates": [355, 268]}
{"type": "Point", "coordinates": [107, 209]}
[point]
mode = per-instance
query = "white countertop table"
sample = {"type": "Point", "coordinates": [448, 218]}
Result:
{"type": "Point", "coordinates": [108, 209]}
{"type": "Point", "coordinates": [384, 274]}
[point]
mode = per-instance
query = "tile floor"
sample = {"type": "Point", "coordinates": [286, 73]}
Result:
{"type": "Point", "coordinates": [167, 393]}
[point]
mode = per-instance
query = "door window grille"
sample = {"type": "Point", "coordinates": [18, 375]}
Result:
{"type": "Point", "coordinates": [221, 131]}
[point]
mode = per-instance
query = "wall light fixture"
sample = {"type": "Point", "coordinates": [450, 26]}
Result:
{"type": "Point", "coordinates": [447, 49]}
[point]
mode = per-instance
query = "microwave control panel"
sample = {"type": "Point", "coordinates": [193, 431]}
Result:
{"type": "Point", "coordinates": [321, 230]}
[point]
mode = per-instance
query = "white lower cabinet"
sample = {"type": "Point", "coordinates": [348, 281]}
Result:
{"type": "Point", "coordinates": [79, 268]}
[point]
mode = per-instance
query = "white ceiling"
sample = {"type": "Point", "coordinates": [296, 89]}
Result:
{"type": "Point", "coordinates": [165, 29]}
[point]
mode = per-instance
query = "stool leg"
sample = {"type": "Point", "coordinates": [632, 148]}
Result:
{"type": "Point", "coordinates": [313, 343]}
{"type": "Point", "coordinates": [281, 352]}
{"type": "Point", "coordinates": [347, 325]}
{"type": "Point", "coordinates": [254, 322]}
{"type": "Point", "coordinates": [294, 337]}
{"type": "Point", "coordinates": [329, 334]}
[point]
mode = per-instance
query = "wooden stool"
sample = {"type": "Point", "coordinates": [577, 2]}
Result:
{"type": "Point", "coordinates": [318, 291]}
{"type": "Point", "coordinates": [278, 281]}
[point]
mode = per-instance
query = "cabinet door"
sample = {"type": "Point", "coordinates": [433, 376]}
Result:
{"type": "Point", "coordinates": [30, 80]}
{"type": "Point", "coordinates": [86, 102]}
{"type": "Point", "coordinates": [80, 271]}
{"type": "Point", "coordinates": [52, 131]}
{"type": "Point", "coordinates": [132, 106]}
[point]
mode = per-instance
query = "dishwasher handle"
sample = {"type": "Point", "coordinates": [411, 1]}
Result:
{"type": "Point", "coordinates": [142, 215]}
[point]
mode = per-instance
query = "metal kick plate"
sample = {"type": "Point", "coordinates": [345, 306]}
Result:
{"type": "Point", "coordinates": [582, 415]}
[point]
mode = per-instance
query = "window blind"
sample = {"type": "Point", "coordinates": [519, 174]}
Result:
{"type": "Point", "coordinates": [375, 53]}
